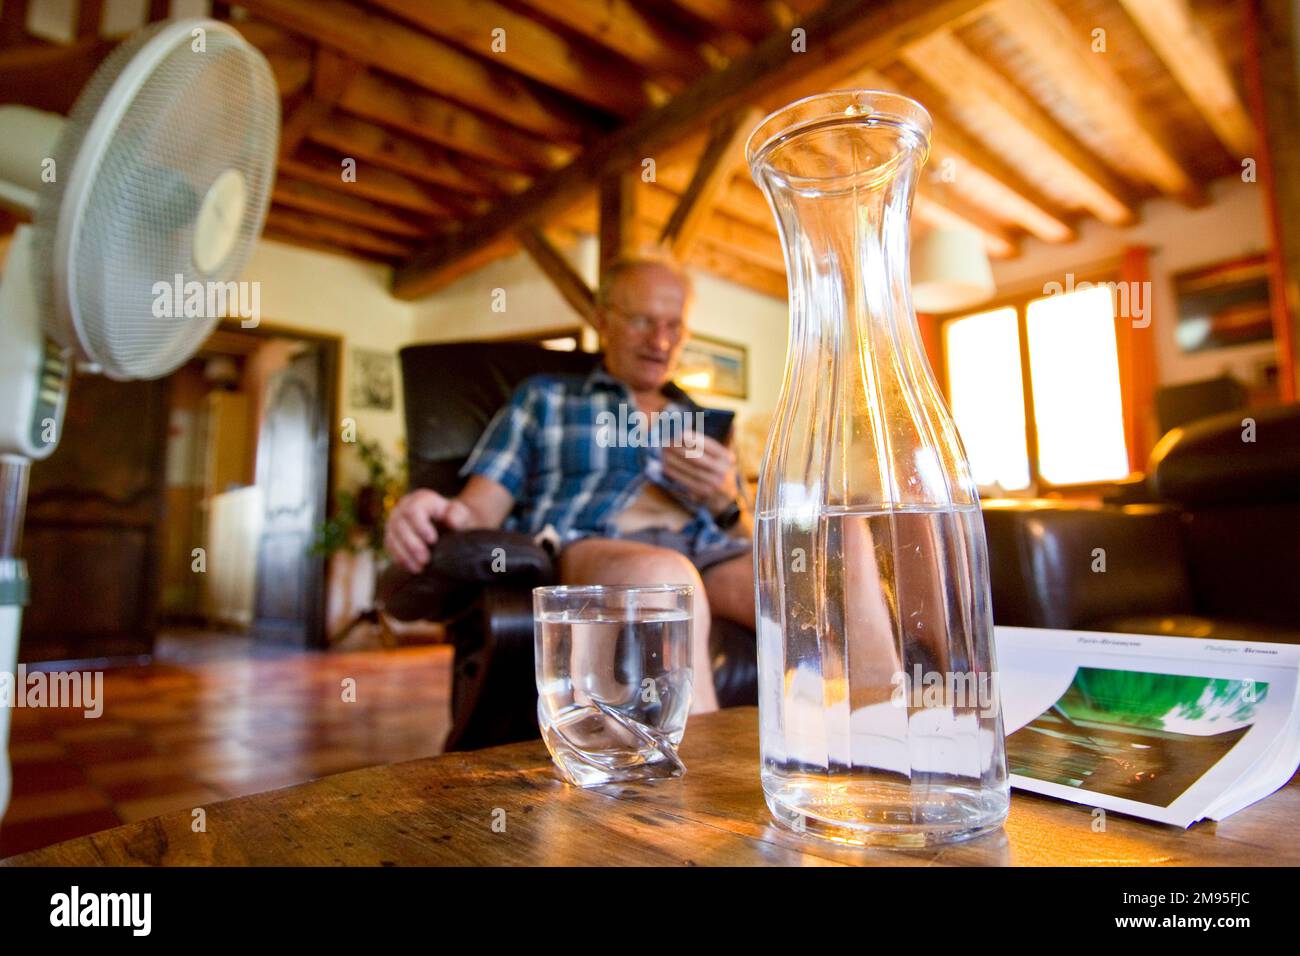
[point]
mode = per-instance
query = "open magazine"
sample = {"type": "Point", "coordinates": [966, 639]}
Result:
{"type": "Point", "coordinates": [1173, 729]}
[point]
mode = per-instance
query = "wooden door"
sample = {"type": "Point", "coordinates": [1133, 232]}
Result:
{"type": "Point", "coordinates": [93, 533]}
{"type": "Point", "coordinates": [293, 473]}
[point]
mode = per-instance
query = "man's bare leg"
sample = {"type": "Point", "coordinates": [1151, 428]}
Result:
{"type": "Point", "coordinates": [730, 586]}
{"type": "Point", "coordinates": [611, 561]}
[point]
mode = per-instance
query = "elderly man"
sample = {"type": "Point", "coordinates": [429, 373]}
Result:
{"type": "Point", "coordinates": [625, 511]}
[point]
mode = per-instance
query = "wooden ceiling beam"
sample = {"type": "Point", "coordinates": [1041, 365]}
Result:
{"type": "Point", "coordinates": [571, 286]}
{"type": "Point", "coordinates": [868, 30]}
{"type": "Point", "coordinates": [943, 209]}
{"type": "Point", "coordinates": [1096, 93]}
{"type": "Point", "coordinates": [332, 75]}
{"type": "Point", "coordinates": [401, 154]}
{"type": "Point", "coordinates": [710, 253]}
{"type": "Point", "coordinates": [722, 154]}
{"type": "Point", "coordinates": [482, 256]}
{"type": "Point", "coordinates": [743, 200]}
{"type": "Point", "coordinates": [618, 25]}
{"type": "Point", "coordinates": [385, 44]}
{"type": "Point", "coordinates": [755, 21]}
{"type": "Point", "coordinates": [965, 79]}
{"type": "Point", "coordinates": [446, 124]}
{"type": "Point", "coordinates": [335, 204]}
{"type": "Point", "coordinates": [717, 260]}
{"type": "Point", "coordinates": [378, 185]}
{"type": "Point", "coordinates": [530, 49]}
{"type": "Point", "coordinates": [289, 56]}
{"type": "Point", "coordinates": [1190, 55]}
{"type": "Point", "coordinates": [335, 233]}
{"type": "Point", "coordinates": [295, 238]}
{"type": "Point", "coordinates": [1019, 200]}
{"type": "Point", "coordinates": [740, 198]}
{"type": "Point", "coordinates": [505, 182]}
{"type": "Point", "coordinates": [655, 207]}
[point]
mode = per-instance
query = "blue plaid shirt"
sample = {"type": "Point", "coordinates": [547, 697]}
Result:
{"type": "Point", "coordinates": [543, 448]}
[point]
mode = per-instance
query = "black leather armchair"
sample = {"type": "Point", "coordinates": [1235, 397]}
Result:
{"type": "Point", "coordinates": [1215, 555]}
{"type": "Point", "coordinates": [451, 393]}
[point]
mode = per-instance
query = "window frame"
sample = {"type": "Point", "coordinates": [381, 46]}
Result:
{"type": "Point", "coordinates": [1019, 300]}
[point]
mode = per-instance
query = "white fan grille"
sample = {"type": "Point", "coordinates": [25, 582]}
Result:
{"type": "Point", "coordinates": [195, 116]}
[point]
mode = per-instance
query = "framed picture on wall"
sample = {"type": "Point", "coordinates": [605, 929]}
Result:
{"type": "Point", "coordinates": [1224, 304]}
{"type": "Point", "coordinates": [714, 367]}
{"type": "Point", "coordinates": [374, 379]}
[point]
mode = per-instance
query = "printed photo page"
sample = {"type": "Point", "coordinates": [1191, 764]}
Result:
{"type": "Point", "coordinates": [1173, 729]}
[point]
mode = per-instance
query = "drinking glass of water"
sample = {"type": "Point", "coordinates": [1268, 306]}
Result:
{"type": "Point", "coordinates": [613, 679]}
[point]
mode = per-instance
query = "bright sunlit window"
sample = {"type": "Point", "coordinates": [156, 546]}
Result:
{"type": "Point", "coordinates": [1072, 374]}
{"type": "Point", "coordinates": [1074, 367]}
{"type": "Point", "coordinates": [986, 390]}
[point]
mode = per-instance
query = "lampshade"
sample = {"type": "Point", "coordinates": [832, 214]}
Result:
{"type": "Point", "coordinates": [950, 271]}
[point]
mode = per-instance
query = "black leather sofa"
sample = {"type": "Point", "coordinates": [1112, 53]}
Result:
{"type": "Point", "coordinates": [451, 392]}
{"type": "Point", "coordinates": [1215, 554]}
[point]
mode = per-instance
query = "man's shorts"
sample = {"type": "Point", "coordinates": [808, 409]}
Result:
{"type": "Point", "coordinates": [703, 559]}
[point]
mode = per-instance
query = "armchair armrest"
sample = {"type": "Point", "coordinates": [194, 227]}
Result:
{"type": "Point", "coordinates": [489, 556]}
{"type": "Point", "coordinates": [460, 563]}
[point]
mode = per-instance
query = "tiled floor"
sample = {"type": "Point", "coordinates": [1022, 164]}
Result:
{"type": "Point", "coordinates": [211, 719]}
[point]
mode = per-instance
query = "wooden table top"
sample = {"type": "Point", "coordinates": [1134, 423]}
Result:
{"type": "Point", "coordinates": [442, 810]}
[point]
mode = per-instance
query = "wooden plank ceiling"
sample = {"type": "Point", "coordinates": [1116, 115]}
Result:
{"type": "Point", "coordinates": [477, 123]}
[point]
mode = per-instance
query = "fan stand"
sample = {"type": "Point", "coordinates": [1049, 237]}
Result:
{"type": "Point", "coordinates": [22, 380]}
{"type": "Point", "coordinates": [13, 595]}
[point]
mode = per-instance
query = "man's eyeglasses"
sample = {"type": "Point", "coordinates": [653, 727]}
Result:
{"type": "Point", "coordinates": [645, 325]}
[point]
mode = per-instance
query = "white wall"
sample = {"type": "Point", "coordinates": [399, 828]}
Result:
{"type": "Point", "coordinates": [464, 309]}
{"type": "Point", "coordinates": [329, 294]}
{"type": "Point", "coordinates": [1232, 224]}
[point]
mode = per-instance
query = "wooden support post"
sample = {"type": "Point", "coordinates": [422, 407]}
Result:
{"type": "Point", "coordinates": [13, 22]}
{"type": "Point", "coordinates": [90, 13]}
{"type": "Point", "coordinates": [1136, 351]}
{"type": "Point", "coordinates": [617, 226]}
{"type": "Point", "coordinates": [1270, 64]}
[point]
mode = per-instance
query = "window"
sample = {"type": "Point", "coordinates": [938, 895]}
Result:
{"type": "Point", "coordinates": [1048, 412]}
{"type": "Point", "coordinates": [986, 390]}
{"type": "Point", "coordinates": [1074, 366]}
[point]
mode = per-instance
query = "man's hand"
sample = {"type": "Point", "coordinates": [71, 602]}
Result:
{"type": "Point", "coordinates": [710, 477]}
{"type": "Point", "coordinates": [413, 525]}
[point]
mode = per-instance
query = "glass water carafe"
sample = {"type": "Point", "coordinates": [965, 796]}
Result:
{"type": "Point", "coordinates": [879, 708]}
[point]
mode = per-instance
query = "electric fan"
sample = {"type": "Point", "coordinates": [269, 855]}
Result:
{"type": "Point", "coordinates": [161, 173]}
